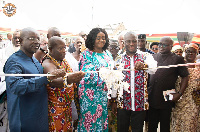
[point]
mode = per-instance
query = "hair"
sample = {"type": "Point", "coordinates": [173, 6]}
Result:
{"type": "Point", "coordinates": [53, 41]}
{"type": "Point", "coordinates": [130, 33]}
{"type": "Point", "coordinates": [90, 41]}
{"type": "Point", "coordinates": [25, 31]}
{"type": "Point", "coordinates": [167, 38]}
{"type": "Point", "coordinates": [154, 43]}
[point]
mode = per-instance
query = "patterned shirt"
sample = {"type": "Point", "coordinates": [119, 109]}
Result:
{"type": "Point", "coordinates": [136, 100]}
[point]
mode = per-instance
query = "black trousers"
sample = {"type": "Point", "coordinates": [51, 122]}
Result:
{"type": "Point", "coordinates": [159, 115]}
{"type": "Point", "coordinates": [125, 117]}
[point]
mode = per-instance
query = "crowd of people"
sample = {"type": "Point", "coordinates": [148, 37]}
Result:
{"type": "Point", "coordinates": [56, 86]}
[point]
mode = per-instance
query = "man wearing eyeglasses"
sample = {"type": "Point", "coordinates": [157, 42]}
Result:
{"type": "Point", "coordinates": [142, 44]}
{"type": "Point", "coordinates": [133, 104]}
{"type": "Point", "coordinates": [27, 95]}
{"type": "Point", "coordinates": [164, 79]}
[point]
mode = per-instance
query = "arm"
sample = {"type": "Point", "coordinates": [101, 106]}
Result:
{"type": "Point", "coordinates": [20, 85]}
{"type": "Point", "coordinates": [183, 85]}
{"type": "Point", "coordinates": [50, 67]}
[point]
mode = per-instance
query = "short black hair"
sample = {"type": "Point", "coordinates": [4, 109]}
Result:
{"type": "Point", "coordinates": [152, 44]}
{"type": "Point", "coordinates": [90, 41]}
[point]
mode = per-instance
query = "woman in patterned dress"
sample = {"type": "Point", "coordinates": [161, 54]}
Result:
{"type": "Point", "coordinates": [60, 94]}
{"type": "Point", "coordinates": [186, 112]}
{"type": "Point", "coordinates": [92, 90]}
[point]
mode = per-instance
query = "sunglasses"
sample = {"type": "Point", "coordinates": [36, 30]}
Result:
{"type": "Point", "coordinates": [163, 45]}
{"type": "Point", "coordinates": [154, 48]}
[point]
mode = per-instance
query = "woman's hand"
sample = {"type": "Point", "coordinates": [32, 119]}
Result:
{"type": "Point", "coordinates": [75, 77]}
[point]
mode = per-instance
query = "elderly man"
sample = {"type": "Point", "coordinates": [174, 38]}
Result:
{"type": "Point", "coordinates": [142, 43]}
{"type": "Point", "coordinates": [164, 79]}
{"type": "Point", "coordinates": [27, 95]}
{"type": "Point", "coordinates": [133, 104]}
{"type": "Point", "coordinates": [121, 44]}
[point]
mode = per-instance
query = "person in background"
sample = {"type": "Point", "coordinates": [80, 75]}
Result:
{"type": "Point", "coordinates": [42, 50]}
{"type": "Point", "coordinates": [154, 47]}
{"type": "Point", "coordinates": [185, 115]}
{"type": "Point", "coordinates": [121, 44]}
{"type": "Point", "coordinates": [83, 34]}
{"type": "Point", "coordinates": [27, 95]}
{"type": "Point", "coordinates": [9, 39]}
{"type": "Point", "coordinates": [114, 49]}
{"type": "Point", "coordinates": [177, 49]}
{"type": "Point", "coordinates": [164, 79]}
{"type": "Point", "coordinates": [92, 89]}
{"type": "Point", "coordinates": [142, 44]}
{"type": "Point", "coordinates": [2, 42]}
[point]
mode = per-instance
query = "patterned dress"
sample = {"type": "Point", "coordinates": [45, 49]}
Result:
{"type": "Point", "coordinates": [59, 105]}
{"type": "Point", "coordinates": [185, 115]}
{"type": "Point", "coordinates": [92, 93]}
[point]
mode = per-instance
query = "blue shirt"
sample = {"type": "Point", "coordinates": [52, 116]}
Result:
{"type": "Point", "coordinates": [26, 96]}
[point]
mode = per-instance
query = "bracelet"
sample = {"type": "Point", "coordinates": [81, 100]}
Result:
{"type": "Point", "coordinates": [48, 78]}
{"type": "Point", "coordinates": [65, 82]}
{"type": "Point", "coordinates": [179, 93]}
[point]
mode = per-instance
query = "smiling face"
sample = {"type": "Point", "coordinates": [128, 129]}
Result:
{"type": "Point", "coordinates": [191, 54]}
{"type": "Point", "coordinates": [30, 42]}
{"type": "Point", "coordinates": [99, 42]}
{"type": "Point", "coordinates": [130, 44]}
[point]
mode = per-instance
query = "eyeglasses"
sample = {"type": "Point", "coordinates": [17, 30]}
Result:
{"type": "Point", "coordinates": [16, 38]}
{"type": "Point", "coordinates": [33, 39]}
{"type": "Point", "coordinates": [114, 48]}
{"type": "Point", "coordinates": [178, 51]}
{"type": "Point", "coordinates": [83, 35]}
{"type": "Point", "coordinates": [61, 48]}
{"type": "Point", "coordinates": [190, 52]}
{"type": "Point", "coordinates": [154, 48]}
{"type": "Point", "coordinates": [129, 41]}
{"type": "Point", "coordinates": [163, 45]}
{"type": "Point", "coordinates": [79, 42]}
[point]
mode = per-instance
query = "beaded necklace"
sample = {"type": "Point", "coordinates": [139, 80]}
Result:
{"type": "Point", "coordinates": [55, 61]}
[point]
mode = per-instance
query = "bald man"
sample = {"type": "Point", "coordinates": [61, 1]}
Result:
{"type": "Point", "coordinates": [164, 79]}
{"type": "Point", "coordinates": [27, 95]}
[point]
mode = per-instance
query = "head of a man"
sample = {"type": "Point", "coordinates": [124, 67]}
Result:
{"type": "Point", "coordinates": [57, 48]}
{"type": "Point", "coordinates": [83, 35]}
{"type": "Point", "coordinates": [121, 41]}
{"type": "Point", "coordinates": [79, 41]}
{"type": "Point", "coordinates": [1, 37]}
{"type": "Point", "coordinates": [29, 41]}
{"type": "Point", "coordinates": [142, 42]}
{"type": "Point", "coordinates": [53, 31]}
{"type": "Point", "coordinates": [130, 39]}
{"type": "Point", "coordinates": [9, 36]}
{"type": "Point", "coordinates": [113, 48]}
{"type": "Point", "coordinates": [165, 45]}
{"type": "Point", "coordinates": [16, 38]}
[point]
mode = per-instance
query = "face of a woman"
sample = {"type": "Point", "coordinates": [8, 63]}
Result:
{"type": "Point", "coordinates": [178, 52]}
{"type": "Point", "coordinates": [100, 41]}
{"type": "Point", "coordinates": [58, 51]}
{"type": "Point", "coordinates": [190, 54]}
